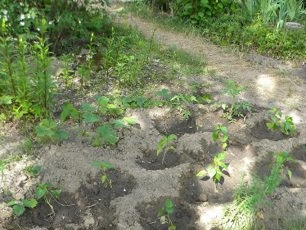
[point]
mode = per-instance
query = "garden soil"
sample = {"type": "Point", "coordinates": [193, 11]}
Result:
{"type": "Point", "coordinates": [139, 184]}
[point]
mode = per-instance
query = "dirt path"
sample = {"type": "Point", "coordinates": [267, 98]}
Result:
{"type": "Point", "coordinates": [270, 82]}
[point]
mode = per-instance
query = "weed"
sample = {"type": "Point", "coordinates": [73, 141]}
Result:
{"type": "Point", "coordinates": [164, 214]}
{"type": "Point", "coordinates": [104, 167]}
{"type": "Point", "coordinates": [47, 130]}
{"type": "Point", "coordinates": [274, 122]}
{"type": "Point", "coordinates": [249, 198]}
{"type": "Point", "coordinates": [165, 144]}
{"type": "Point", "coordinates": [19, 207]}
{"type": "Point", "coordinates": [47, 192]}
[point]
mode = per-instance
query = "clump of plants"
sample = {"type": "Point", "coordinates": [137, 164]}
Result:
{"type": "Point", "coordinates": [45, 191]}
{"type": "Point", "coordinates": [237, 109]}
{"type": "Point", "coordinates": [165, 144]}
{"type": "Point", "coordinates": [103, 116]}
{"type": "Point", "coordinates": [19, 207]}
{"type": "Point", "coordinates": [165, 214]}
{"type": "Point", "coordinates": [104, 167]}
{"type": "Point", "coordinates": [249, 198]}
{"type": "Point", "coordinates": [47, 131]}
{"type": "Point", "coordinates": [275, 122]}
{"type": "Point", "coordinates": [218, 168]}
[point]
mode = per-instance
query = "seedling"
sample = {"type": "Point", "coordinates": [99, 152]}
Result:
{"type": "Point", "coordinates": [69, 111]}
{"type": "Point", "coordinates": [220, 133]}
{"type": "Point", "coordinates": [47, 192]}
{"type": "Point", "coordinates": [181, 102]}
{"type": "Point", "coordinates": [237, 108]}
{"type": "Point", "coordinates": [165, 144]}
{"type": "Point", "coordinates": [275, 122]}
{"type": "Point", "coordinates": [106, 135]}
{"type": "Point", "coordinates": [47, 130]}
{"type": "Point", "coordinates": [33, 170]}
{"type": "Point", "coordinates": [216, 170]}
{"type": "Point", "coordinates": [19, 207]}
{"type": "Point", "coordinates": [104, 167]}
{"type": "Point", "coordinates": [165, 213]}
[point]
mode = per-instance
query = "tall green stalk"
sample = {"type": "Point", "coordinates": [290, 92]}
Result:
{"type": "Point", "coordinates": [43, 78]}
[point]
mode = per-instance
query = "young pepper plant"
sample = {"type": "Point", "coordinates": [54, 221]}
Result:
{"type": "Point", "coordinates": [165, 144]}
{"type": "Point", "coordinates": [274, 122]}
{"type": "Point", "coordinates": [104, 167]}
{"type": "Point", "coordinates": [165, 213]}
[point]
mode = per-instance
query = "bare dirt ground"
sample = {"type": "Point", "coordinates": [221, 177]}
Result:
{"type": "Point", "coordinates": [138, 191]}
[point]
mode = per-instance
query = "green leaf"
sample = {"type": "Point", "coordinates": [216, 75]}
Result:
{"type": "Point", "coordinates": [87, 108]}
{"type": "Point", "coordinates": [103, 103]}
{"type": "Point", "coordinates": [118, 124]}
{"type": "Point", "coordinates": [103, 164]}
{"type": "Point", "coordinates": [165, 94]}
{"type": "Point", "coordinates": [46, 128]}
{"type": "Point", "coordinates": [172, 227]}
{"type": "Point", "coordinates": [61, 134]}
{"type": "Point", "coordinates": [32, 203]}
{"type": "Point", "coordinates": [140, 101]}
{"type": "Point", "coordinates": [211, 171]}
{"type": "Point", "coordinates": [13, 202]}
{"type": "Point", "coordinates": [40, 192]}
{"type": "Point", "coordinates": [202, 173]}
{"type": "Point", "coordinates": [103, 178]}
{"type": "Point", "coordinates": [69, 110]}
{"type": "Point", "coordinates": [90, 117]}
{"type": "Point", "coordinates": [107, 135]}
{"type": "Point", "coordinates": [55, 193]}
{"type": "Point", "coordinates": [129, 120]}
{"type": "Point", "coordinates": [6, 100]}
{"type": "Point", "coordinates": [169, 206]}
{"type": "Point", "coordinates": [18, 209]}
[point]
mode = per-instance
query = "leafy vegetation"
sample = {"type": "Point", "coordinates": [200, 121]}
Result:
{"type": "Point", "coordinates": [104, 166]}
{"type": "Point", "coordinates": [217, 169]}
{"type": "Point", "coordinates": [237, 108]}
{"type": "Point", "coordinates": [19, 207]}
{"type": "Point", "coordinates": [250, 25]}
{"type": "Point", "coordinates": [165, 144]}
{"type": "Point", "coordinates": [165, 213]}
{"type": "Point", "coordinates": [274, 122]}
{"type": "Point", "coordinates": [47, 192]}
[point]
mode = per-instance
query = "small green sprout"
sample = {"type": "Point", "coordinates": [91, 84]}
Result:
{"type": "Point", "coordinates": [164, 214]}
{"type": "Point", "coordinates": [47, 192]}
{"type": "Point", "coordinates": [104, 167]}
{"type": "Point", "coordinates": [165, 144]}
{"type": "Point", "coordinates": [47, 130]}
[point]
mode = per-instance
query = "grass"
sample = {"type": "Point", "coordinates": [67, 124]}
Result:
{"type": "Point", "coordinates": [229, 31]}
